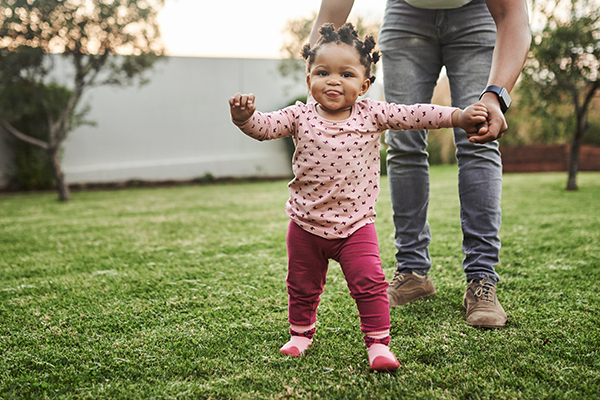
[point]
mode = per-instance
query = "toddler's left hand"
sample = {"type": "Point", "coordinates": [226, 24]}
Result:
{"type": "Point", "coordinates": [473, 119]}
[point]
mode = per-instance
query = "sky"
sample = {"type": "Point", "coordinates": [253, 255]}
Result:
{"type": "Point", "coordinates": [239, 28]}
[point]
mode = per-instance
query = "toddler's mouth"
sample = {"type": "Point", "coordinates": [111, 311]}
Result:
{"type": "Point", "coordinates": [333, 93]}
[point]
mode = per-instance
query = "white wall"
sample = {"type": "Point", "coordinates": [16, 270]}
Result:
{"type": "Point", "coordinates": [177, 127]}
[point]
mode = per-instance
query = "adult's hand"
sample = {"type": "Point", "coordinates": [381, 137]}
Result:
{"type": "Point", "coordinates": [334, 11]}
{"type": "Point", "coordinates": [495, 126]}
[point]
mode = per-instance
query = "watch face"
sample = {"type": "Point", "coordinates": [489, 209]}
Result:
{"type": "Point", "coordinates": [505, 98]}
{"type": "Point", "coordinates": [501, 93]}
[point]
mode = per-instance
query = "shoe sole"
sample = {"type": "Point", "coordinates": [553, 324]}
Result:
{"type": "Point", "coordinates": [413, 300]}
{"type": "Point", "coordinates": [487, 326]}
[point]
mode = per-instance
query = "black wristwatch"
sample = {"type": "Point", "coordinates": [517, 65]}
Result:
{"type": "Point", "coordinates": [502, 95]}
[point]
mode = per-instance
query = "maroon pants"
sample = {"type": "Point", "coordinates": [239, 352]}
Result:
{"type": "Point", "coordinates": [358, 256]}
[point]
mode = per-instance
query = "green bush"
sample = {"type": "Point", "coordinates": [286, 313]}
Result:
{"type": "Point", "coordinates": [33, 168]}
{"type": "Point", "coordinates": [434, 148]}
{"type": "Point", "coordinates": [23, 111]}
{"type": "Point", "coordinates": [592, 135]}
{"type": "Point", "coordinates": [440, 146]}
{"type": "Point", "coordinates": [383, 163]}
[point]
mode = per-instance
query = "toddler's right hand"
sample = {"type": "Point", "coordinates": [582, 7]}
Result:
{"type": "Point", "coordinates": [242, 107]}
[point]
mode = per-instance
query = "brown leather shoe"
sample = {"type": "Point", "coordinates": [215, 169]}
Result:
{"type": "Point", "coordinates": [407, 287]}
{"type": "Point", "coordinates": [482, 306]}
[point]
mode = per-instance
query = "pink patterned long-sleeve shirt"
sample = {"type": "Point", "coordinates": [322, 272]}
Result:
{"type": "Point", "coordinates": [336, 163]}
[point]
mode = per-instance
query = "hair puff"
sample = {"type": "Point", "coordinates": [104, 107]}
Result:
{"type": "Point", "coordinates": [347, 34]}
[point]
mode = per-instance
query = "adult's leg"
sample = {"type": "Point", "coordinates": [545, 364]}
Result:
{"type": "Point", "coordinates": [469, 34]}
{"type": "Point", "coordinates": [412, 61]}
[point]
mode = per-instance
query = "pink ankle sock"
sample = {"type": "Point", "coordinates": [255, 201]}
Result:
{"type": "Point", "coordinates": [300, 341]}
{"type": "Point", "coordinates": [380, 356]}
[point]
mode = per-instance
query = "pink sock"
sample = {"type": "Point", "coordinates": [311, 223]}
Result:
{"type": "Point", "coordinates": [300, 341]}
{"type": "Point", "coordinates": [380, 356]}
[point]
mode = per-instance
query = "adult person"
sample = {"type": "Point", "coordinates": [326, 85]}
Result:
{"type": "Point", "coordinates": [483, 46]}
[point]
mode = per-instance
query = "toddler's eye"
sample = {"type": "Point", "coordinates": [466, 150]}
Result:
{"type": "Point", "coordinates": [322, 73]}
{"type": "Point", "coordinates": [347, 75]}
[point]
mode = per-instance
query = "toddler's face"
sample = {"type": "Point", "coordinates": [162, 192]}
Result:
{"type": "Point", "coordinates": [336, 79]}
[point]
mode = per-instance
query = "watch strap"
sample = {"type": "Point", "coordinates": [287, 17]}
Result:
{"type": "Point", "coordinates": [501, 93]}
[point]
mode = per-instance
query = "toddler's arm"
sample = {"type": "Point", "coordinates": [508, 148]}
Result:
{"type": "Point", "coordinates": [261, 126]}
{"type": "Point", "coordinates": [472, 119]}
{"type": "Point", "coordinates": [241, 107]}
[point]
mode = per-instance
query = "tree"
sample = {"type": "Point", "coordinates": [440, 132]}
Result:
{"type": "Point", "coordinates": [296, 33]}
{"type": "Point", "coordinates": [106, 42]}
{"type": "Point", "coordinates": [563, 65]}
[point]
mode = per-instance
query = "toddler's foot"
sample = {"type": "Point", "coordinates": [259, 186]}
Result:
{"type": "Point", "coordinates": [380, 356]}
{"type": "Point", "coordinates": [300, 341]}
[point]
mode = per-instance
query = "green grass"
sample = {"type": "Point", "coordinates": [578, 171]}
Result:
{"type": "Point", "coordinates": [180, 293]}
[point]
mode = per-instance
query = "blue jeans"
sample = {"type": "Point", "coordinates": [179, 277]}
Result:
{"type": "Point", "coordinates": [415, 44]}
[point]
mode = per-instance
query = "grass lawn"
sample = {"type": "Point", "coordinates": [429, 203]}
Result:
{"type": "Point", "coordinates": [180, 293]}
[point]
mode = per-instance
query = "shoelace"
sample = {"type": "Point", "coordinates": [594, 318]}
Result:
{"type": "Point", "coordinates": [398, 277]}
{"type": "Point", "coordinates": [485, 291]}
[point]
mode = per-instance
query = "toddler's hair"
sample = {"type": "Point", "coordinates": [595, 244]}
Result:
{"type": "Point", "coordinates": [348, 35]}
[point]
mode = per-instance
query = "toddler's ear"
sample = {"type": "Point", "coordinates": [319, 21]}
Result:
{"type": "Point", "coordinates": [365, 86]}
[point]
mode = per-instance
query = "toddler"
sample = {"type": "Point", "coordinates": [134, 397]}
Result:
{"type": "Point", "coordinates": [336, 181]}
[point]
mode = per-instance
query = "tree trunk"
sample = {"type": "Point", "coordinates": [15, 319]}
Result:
{"type": "Point", "coordinates": [61, 186]}
{"type": "Point", "coordinates": [575, 150]}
